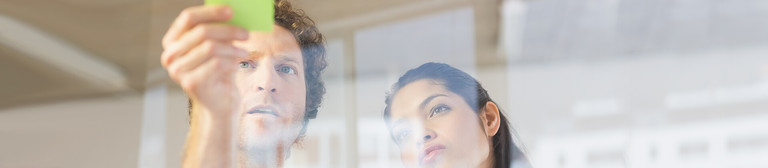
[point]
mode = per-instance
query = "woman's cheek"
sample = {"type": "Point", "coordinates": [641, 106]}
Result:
{"type": "Point", "coordinates": [409, 157]}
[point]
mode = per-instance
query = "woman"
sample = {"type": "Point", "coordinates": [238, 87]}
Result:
{"type": "Point", "coordinates": [441, 117]}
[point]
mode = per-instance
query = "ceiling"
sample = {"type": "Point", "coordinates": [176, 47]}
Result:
{"type": "Point", "coordinates": [69, 48]}
{"type": "Point", "coordinates": [65, 49]}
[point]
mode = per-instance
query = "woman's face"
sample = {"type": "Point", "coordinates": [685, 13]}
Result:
{"type": "Point", "coordinates": [435, 127]}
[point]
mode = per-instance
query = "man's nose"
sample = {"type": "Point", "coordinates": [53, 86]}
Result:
{"type": "Point", "coordinates": [265, 78]}
{"type": "Point", "coordinates": [273, 90]}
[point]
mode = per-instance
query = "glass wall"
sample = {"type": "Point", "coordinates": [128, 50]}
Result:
{"type": "Point", "coordinates": [583, 84]}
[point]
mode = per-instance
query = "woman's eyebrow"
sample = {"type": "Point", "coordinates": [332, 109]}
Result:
{"type": "Point", "coordinates": [421, 106]}
{"type": "Point", "coordinates": [428, 99]}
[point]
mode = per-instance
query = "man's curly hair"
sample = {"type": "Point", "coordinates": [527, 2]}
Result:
{"type": "Point", "coordinates": [312, 45]}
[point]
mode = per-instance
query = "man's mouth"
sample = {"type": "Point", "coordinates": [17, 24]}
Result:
{"type": "Point", "coordinates": [263, 109]}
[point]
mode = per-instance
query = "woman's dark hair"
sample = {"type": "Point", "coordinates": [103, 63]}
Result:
{"type": "Point", "coordinates": [505, 152]}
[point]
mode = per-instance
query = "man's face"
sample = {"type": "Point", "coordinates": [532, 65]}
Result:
{"type": "Point", "coordinates": [272, 90]}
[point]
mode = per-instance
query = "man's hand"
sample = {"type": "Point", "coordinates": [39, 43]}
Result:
{"type": "Point", "coordinates": [200, 57]}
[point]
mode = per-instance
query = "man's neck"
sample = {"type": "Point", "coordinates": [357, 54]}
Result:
{"type": "Point", "coordinates": [263, 158]}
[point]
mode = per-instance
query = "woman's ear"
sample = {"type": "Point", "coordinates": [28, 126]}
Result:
{"type": "Point", "coordinates": [491, 119]}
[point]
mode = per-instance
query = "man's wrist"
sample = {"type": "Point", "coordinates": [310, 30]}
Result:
{"type": "Point", "coordinates": [213, 137]}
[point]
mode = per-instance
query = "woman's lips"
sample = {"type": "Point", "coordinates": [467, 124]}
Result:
{"type": "Point", "coordinates": [431, 153]}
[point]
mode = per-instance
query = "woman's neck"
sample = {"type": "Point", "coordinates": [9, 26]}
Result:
{"type": "Point", "coordinates": [487, 163]}
{"type": "Point", "coordinates": [490, 160]}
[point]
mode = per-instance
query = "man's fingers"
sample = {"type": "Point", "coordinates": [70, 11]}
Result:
{"type": "Point", "coordinates": [215, 71]}
{"type": "Point", "coordinates": [219, 32]}
{"type": "Point", "coordinates": [222, 32]}
{"type": "Point", "coordinates": [193, 16]}
{"type": "Point", "coordinates": [205, 52]}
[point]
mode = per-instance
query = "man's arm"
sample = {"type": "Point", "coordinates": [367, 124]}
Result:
{"type": "Point", "coordinates": [199, 56]}
{"type": "Point", "coordinates": [208, 142]}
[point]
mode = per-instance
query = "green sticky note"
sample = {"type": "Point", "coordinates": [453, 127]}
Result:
{"type": "Point", "coordinates": [253, 15]}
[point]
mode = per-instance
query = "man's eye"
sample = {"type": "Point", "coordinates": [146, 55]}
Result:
{"type": "Point", "coordinates": [400, 136]}
{"type": "Point", "coordinates": [245, 65]}
{"type": "Point", "coordinates": [286, 69]}
{"type": "Point", "coordinates": [438, 109]}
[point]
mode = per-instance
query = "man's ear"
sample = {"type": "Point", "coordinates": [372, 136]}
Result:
{"type": "Point", "coordinates": [491, 118]}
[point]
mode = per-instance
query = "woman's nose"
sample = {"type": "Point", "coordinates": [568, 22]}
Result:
{"type": "Point", "coordinates": [428, 135]}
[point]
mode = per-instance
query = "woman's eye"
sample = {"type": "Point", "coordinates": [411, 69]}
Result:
{"type": "Point", "coordinates": [286, 69]}
{"type": "Point", "coordinates": [245, 65]}
{"type": "Point", "coordinates": [438, 109]}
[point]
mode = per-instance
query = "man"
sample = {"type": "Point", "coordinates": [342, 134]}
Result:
{"type": "Point", "coordinates": [267, 83]}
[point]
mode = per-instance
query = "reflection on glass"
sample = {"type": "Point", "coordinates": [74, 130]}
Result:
{"type": "Point", "coordinates": [586, 84]}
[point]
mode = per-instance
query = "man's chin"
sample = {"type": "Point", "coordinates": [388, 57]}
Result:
{"type": "Point", "coordinates": [260, 133]}
{"type": "Point", "coordinates": [259, 136]}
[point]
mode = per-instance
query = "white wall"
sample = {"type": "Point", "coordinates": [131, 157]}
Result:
{"type": "Point", "coordinates": [92, 132]}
